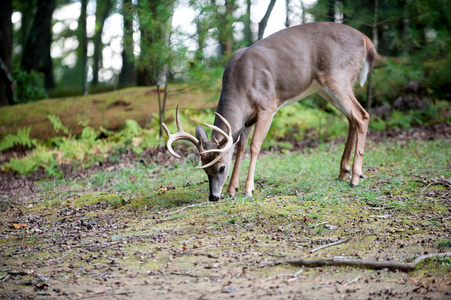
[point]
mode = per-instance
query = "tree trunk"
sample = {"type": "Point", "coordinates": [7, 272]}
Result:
{"type": "Point", "coordinates": [331, 11]}
{"type": "Point", "coordinates": [84, 43]}
{"type": "Point", "coordinates": [6, 42]}
{"type": "Point", "coordinates": [369, 91]}
{"type": "Point", "coordinates": [264, 21]}
{"type": "Point", "coordinates": [226, 28]}
{"type": "Point", "coordinates": [102, 12]}
{"type": "Point", "coordinates": [127, 75]}
{"type": "Point", "coordinates": [303, 18]}
{"type": "Point", "coordinates": [287, 13]}
{"type": "Point", "coordinates": [36, 55]}
{"type": "Point", "coordinates": [247, 25]}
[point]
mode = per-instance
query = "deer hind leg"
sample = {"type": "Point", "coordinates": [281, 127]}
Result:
{"type": "Point", "coordinates": [345, 101]}
{"type": "Point", "coordinates": [264, 120]}
{"type": "Point", "coordinates": [241, 147]}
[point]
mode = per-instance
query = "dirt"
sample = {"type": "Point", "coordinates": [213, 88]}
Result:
{"type": "Point", "coordinates": [77, 250]}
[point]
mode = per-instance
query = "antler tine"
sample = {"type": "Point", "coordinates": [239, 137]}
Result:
{"type": "Point", "coordinates": [179, 135]}
{"type": "Point", "coordinates": [227, 146]}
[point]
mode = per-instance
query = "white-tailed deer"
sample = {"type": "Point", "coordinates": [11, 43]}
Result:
{"type": "Point", "coordinates": [323, 58]}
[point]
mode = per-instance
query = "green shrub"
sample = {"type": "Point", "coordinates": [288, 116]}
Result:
{"type": "Point", "coordinates": [29, 86]}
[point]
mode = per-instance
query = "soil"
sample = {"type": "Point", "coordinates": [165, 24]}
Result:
{"type": "Point", "coordinates": [98, 251]}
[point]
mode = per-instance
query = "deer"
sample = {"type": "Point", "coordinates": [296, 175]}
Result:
{"type": "Point", "coordinates": [322, 57]}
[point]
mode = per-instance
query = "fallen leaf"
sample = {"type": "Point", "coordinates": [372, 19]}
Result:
{"type": "Point", "coordinates": [18, 226]}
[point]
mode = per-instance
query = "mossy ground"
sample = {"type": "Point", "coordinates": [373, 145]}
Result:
{"type": "Point", "coordinates": [109, 110]}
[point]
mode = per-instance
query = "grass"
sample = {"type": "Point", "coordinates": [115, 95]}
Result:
{"type": "Point", "coordinates": [290, 184]}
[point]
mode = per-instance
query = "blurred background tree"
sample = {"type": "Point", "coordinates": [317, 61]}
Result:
{"type": "Point", "coordinates": [50, 54]}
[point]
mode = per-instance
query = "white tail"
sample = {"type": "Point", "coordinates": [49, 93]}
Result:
{"type": "Point", "coordinates": [323, 58]}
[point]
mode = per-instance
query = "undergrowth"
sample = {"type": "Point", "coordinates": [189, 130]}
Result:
{"type": "Point", "coordinates": [297, 122]}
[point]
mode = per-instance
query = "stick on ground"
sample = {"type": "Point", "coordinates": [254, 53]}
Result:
{"type": "Point", "coordinates": [370, 264]}
{"type": "Point", "coordinates": [329, 245]}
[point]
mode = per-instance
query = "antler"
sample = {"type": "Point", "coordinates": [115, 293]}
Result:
{"type": "Point", "coordinates": [179, 135]}
{"type": "Point", "coordinates": [182, 135]}
{"type": "Point", "coordinates": [226, 147]}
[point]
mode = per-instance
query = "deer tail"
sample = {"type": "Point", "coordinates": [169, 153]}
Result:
{"type": "Point", "coordinates": [368, 59]}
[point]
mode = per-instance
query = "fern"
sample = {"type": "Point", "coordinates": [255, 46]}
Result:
{"type": "Point", "coordinates": [21, 138]}
{"type": "Point", "coordinates": [57, 125]}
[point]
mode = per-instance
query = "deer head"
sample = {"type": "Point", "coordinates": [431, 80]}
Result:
{"type": "Point", "coordinates": [216, 155]}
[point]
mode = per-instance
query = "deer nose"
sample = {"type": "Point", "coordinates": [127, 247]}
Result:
{"type": "Point", "coordinates": [213, 198]}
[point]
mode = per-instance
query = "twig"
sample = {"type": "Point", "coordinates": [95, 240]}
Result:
{"type": "Point", "coordinates": [319, 224]}
{"type": "Point", "coordinates": [329, 245]}
{"type": "Point", "coordinates": [370, 264]}
{"type": "Point", "coordinates": [5, 278]}
{"type": "Point", "coordinates": [352, 281]}
{"type": "Point", "coordinates": [186, 207]}
{"type": "Point", "coordinates": [194, 249]}
{"type": "Point", "coordinates": [295, 275]}
{"type": "Point", "coordinates": [192, 275]}
{"type": "Point", "coordinates": [188, 240]}
{"type": "Point", "coordinates": [442, 182]}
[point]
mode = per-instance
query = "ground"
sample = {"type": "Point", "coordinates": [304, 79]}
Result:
{"type": "Point", "coordinates": [82, 237]}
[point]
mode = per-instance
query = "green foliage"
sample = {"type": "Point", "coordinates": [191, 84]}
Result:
{"type": "Point", "coordinates": [57, 125]}
{"type": "Point", "coordinates": [21, 138]}
{"type": "Point", "coordinates": [82, 151]}
{"type": "Point", "coordinates": [29, 86]}
{"type": "Point", "coordinates": [444, 244]}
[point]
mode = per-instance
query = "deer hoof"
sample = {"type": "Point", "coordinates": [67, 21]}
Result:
{"type": "Point", "coordinates": [362, 176]}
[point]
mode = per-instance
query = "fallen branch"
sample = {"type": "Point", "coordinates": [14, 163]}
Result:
{"type": "Point", "coordinates": [370, 264]}
{"type": "Point", "coordinates": [193, 275]}
{"type": "Point", "coordinates": [329, 245]}
{"type": "Point", "coordinates": [295, 275]}
{"type": "Point", "coordinates": [186, 207]}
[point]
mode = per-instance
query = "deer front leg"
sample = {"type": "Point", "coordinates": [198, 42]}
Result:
{"type": "Point", "coordinates": [264, 120]}
{"type": "Point", "coordinates": [241, 147]}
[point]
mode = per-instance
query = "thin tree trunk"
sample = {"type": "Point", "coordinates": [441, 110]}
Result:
{"type": "Point", "coordinates": [247, 24]}
{"type": "Point", "coordinates": [127, 75]}
{"type": "Point", "coordinates": [303, 18]}
{"type": "Point", "coordinates": [287, 13]}
{"type": "Point", "coordinates": [369, 95]}
{"type": "Point", "coordinates": [84, 43]}
{"type": "Point", "coordinates": [6, 42]}
{"type": "Point", "coordinates": [102, 12]}
{"type": "Point", "coordinates": [264, 21]}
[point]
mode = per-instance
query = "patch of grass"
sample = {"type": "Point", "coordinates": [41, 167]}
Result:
{"type": "Point", "coordinates": [444, 244]}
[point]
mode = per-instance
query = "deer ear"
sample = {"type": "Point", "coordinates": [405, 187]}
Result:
{"type": "Point", "coordinates": [201, 135]}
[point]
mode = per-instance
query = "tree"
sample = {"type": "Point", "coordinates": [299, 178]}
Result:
{"type": "Point", "coordinates": [128, 74]}
{"type": "Point", "coordinates": [103, 10]}
{"type": "Point", "coordinates": [155, 23]}
{"type": "Point", "coordinates": [36, 55]}
{"type": "Point", "coordinates": [248, 39]}
{"type": "Point", "coordinates": [6, 42]}
{"type": "Point", "coordinates": [84, 47]}
{"type": "Point", "coordinates": [264, 21]}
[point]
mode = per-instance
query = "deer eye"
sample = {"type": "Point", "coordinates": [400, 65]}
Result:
{"type": "Point", "coordinates": [221, 169]}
